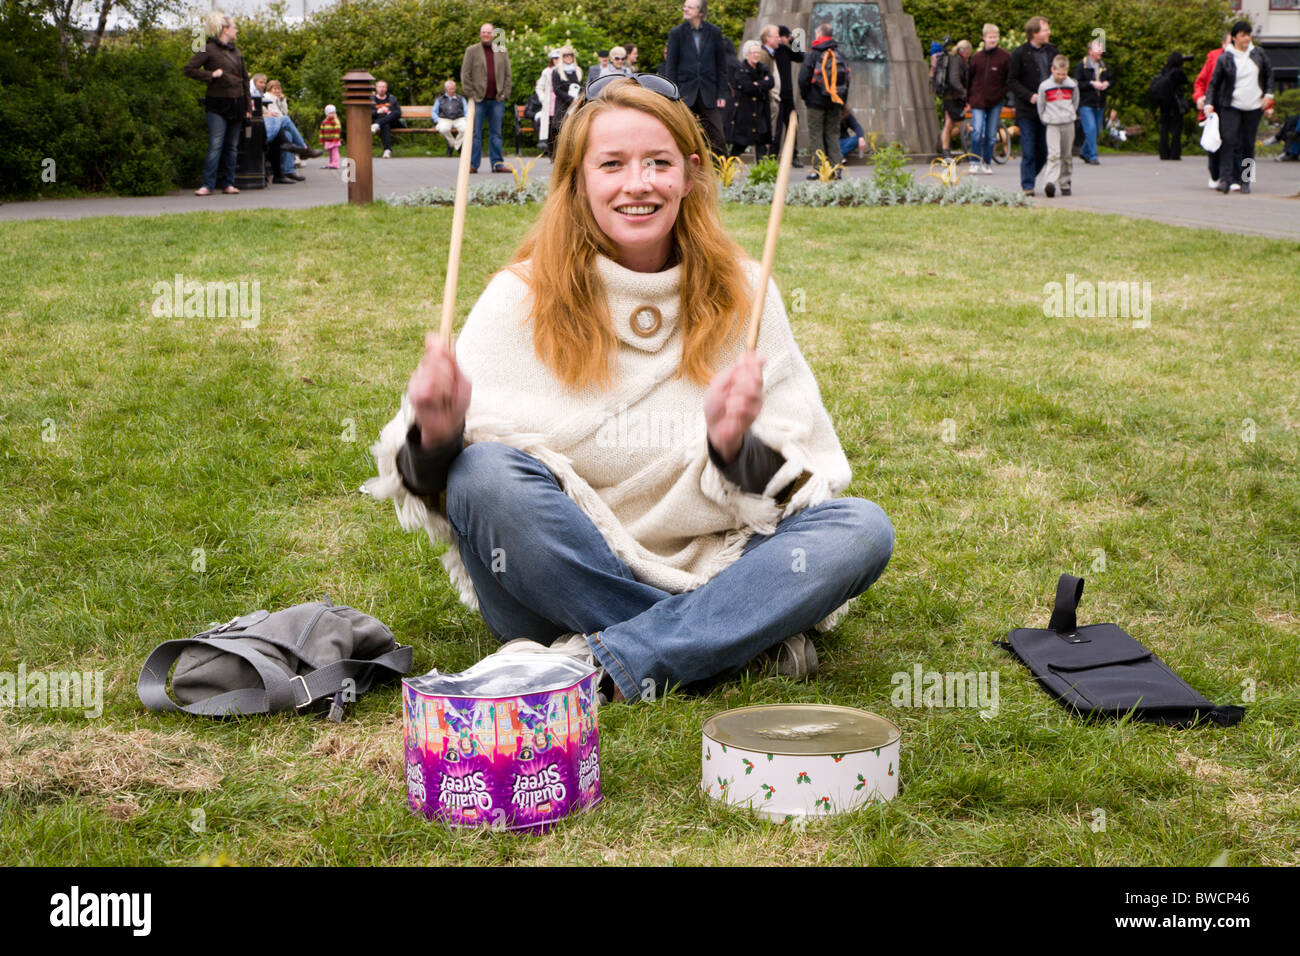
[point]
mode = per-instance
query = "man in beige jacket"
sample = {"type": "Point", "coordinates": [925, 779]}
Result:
{"type": "Point", "coordinates": [485, 78]}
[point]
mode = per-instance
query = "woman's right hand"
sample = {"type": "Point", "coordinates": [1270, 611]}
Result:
{"type": "Point", "coordinates": [439, 393]}
{"type": "Point", "coordinates": [216, 74]}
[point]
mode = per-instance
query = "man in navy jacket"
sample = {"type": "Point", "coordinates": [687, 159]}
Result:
{"type": "Point", "coordinates": [697, 64]}
{"type": "Point", "coordinates": [1031, 63]}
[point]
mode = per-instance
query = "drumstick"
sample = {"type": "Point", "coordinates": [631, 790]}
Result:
{"type": "Point", "coordinates": [457, 232]}
{"type": "Point", "coordinates": [773, 227]}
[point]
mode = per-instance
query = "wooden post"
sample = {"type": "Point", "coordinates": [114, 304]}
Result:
{"type": "Point", "coordinates": [358, 85]}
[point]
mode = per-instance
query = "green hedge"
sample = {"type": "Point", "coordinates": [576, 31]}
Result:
{"type": "Point", "coordinates": [416, 45]}
{"type": "Point", "coordinates": [124, 119]}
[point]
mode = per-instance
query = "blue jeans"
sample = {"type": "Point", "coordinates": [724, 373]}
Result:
{"type": "Point", "coordinates": [984, 132]}
{"type": "Point", "coordinates": [1090, 118]}
{"type": "Point", "coordinates": [555, 574]}
{"type": "Point", "coordinates": [848, 145]}
{"type": "Point", "coordinates": [493, 111]}
{"type": "Point", "coordinates": [223, 151]}
{"type": "Point", "coordinates": [274, 126]}
{"type": "Point", "coordinates": [1033, 149]}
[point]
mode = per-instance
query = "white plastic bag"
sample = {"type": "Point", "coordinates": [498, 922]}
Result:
{"type": "Point", "coordinates": [1210, 139]}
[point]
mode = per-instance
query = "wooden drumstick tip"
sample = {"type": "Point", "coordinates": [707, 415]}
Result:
{"type": "Point", "coordinates": [773, 229]}
{"type": "Point", "coordinates": [457, 234]}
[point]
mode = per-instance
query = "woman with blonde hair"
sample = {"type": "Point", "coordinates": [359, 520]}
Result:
{"type": "Point", "coordinates": [954, 94]}
{"type": "Point", "coordinates": [566, 87]}
{"type": "Point", "coordinates": [227, 102]}
{"type": "Point", "coordinates": [624, 482]}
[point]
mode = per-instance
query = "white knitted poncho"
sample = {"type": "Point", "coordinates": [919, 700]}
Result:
{"type": "Point", "coordinates": [634, 457]}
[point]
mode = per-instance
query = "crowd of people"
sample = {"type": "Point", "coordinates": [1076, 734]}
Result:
{"type": "Point", "coordinates": [234, 98]}
{"type": "Point", "coordinates": [1049, 99]}
{"type": "Point", "coordinates": [744, 102]}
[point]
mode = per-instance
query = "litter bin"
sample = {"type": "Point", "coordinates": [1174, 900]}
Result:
{"type": "Point", "coordinates": [250, 167]}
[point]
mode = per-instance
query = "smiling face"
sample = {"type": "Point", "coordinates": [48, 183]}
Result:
{"type": "Point", "coordinates": [991, 38]}
{"type": "Point", "coordinates": [635, 177]}
{"type": "Point", "coordinates": [753, 54]}
{"type": "Point", "coordinates": [485, 33]}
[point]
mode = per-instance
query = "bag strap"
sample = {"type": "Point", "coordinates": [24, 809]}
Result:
{"type": "Point", "coordinates": [328, 680]}
{"type": "Point", "coordinates": [279, 692]}
{"type": "Point", "coordinates": [276, 693]}
{"type": "Point", "coordinates": [1069, 590]}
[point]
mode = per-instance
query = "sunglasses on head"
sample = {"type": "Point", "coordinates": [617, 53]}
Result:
{"type": "Point", "coordinates": [651, 81]}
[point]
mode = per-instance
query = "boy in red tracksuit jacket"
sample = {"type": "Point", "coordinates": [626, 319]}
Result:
{"type": "Point", "coordinates": [1058, 108]}
{"type": "Point", "coordinates": [1199, 89]}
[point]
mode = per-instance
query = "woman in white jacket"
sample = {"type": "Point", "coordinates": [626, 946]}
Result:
{"type": "Point", "coordinates": [547, 99]}
{"type": "Point", "coordinates": [624, 482]}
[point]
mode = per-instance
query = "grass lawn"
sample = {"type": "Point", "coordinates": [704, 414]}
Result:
{"type": "Point", "coordinates": [1007, 446]}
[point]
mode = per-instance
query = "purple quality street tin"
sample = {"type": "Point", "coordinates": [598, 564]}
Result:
{"type": "Point", "coordinates": [510, 743]}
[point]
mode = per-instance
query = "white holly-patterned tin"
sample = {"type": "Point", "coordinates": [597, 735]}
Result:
{"type": "Point", "coordinates": [795, 761]}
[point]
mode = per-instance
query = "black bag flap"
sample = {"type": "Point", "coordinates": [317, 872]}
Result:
{"type": "Point", "coordinates": [1106, 644]}
{"type": "Point", "coordinates": [1103, 644]}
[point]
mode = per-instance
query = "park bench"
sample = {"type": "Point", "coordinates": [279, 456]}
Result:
{"type": "Point", "coordinates": [524, 125]}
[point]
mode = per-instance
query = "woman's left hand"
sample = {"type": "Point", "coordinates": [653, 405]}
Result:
{"type": "Point", "coordinates": [733, 401]}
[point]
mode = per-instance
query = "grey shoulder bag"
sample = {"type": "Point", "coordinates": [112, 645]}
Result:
{"type": "Point", "coordinates": [310, 655]}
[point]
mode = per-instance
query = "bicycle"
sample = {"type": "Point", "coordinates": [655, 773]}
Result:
{"type": "Point", "coordinates": [1002, 140]}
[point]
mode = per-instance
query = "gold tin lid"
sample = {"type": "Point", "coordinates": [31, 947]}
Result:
{"type": "Point", "coordinates": [801, 729]}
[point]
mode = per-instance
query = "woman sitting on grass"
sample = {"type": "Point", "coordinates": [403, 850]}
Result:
{"type": "Point", "coordinates": [607, 493]}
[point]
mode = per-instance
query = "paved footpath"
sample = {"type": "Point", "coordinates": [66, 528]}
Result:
{"type": "Point", "coordinates": [1130, 185]}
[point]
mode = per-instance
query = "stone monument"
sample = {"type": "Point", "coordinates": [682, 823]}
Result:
{"type": "Point", "coordinates": [889, 85]}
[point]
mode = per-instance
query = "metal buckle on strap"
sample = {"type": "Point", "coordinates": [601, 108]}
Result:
{"type": "Point", "coordinates": [306, 692]}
